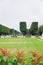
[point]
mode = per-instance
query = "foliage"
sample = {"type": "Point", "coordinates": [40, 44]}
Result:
{"type": "Point", "coordinates": [21, 59]}
{"type": "Point", "coordinates": [34, 28]}
{"type": "Point", "coordinates": [40, 30]}
{"type": "Point", "coordinates": [5, 52]}
{"type": "Point", "coordinates": [36, 58]}
{"type": "Point", "coordinates": [14, 32]}
{"type": "Point", "coordinates": [23, 27]}
{"type": "Point", "coordinates": [20, 56]}
{"type": "Point", "coordinates": [4, 30]}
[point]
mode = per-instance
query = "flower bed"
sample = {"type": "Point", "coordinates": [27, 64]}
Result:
{"type": "Point", "coordinates": [20, 58]}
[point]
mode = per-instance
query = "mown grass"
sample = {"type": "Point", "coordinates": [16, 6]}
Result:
{"type": "Point", "coordinates": [15, 39]}
{"type": "Point", "coordinates": [23, 43]}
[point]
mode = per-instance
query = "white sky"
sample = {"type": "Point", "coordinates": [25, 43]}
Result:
{"type": "Point", "coordinates": [14, 11]}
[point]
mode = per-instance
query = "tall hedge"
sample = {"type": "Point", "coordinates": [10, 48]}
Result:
{"type": "Point", "coordinates": [23, 27]}
{"type": "Point", "coordinates": [40, 30]}
{"type": "Point", "coordinates": [34, 28]}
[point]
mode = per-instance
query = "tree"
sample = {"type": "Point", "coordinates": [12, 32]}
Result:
{"type": "Point", "coordinates": [40, 30]}
{"type": "Point", "coordinates": [4, 30]}
{"type": "Point", "coordinates": [34, 28]}
{"type": "Point", "coordinates": [12, 31]}
{"type": "Point", "coordinates": [23, 28]}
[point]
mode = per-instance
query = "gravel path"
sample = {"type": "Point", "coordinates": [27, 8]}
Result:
{"type": "Point", "coordinates": [14, 42]}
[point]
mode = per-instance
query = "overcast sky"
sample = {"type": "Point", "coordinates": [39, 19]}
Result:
{"type": "Point", "coordinates": [14, 11]}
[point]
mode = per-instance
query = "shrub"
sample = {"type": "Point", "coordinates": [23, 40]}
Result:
{"type": "Point", "coordinates": [20, 58]}
{"type": "Point", "coordinates": [36, 58]}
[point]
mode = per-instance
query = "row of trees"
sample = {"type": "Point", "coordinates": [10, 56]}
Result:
{"type": "Point", "coordinates": [4, 30]}
{"type": "Point", "coordinates": [33, 30]}
{"type": "Point", "coordinates": [7, 31]}
{"type": "Point", "coordinates": [14, 32]}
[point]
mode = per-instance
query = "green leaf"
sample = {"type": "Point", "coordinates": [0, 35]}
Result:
{"type": "Point", "coordinates": [19, 64]}
{"type": "Point", "coordinates": [41, 63]}
{"type": "Point", "coordinates": [10, 63]}
{"type": "Point", "coordinates": [14, 59]}
{"type": "Point", "coordinates": [5, 58]}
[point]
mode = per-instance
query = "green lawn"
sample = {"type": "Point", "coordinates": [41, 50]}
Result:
{"type": "Point", "coordinates": [22, 43]}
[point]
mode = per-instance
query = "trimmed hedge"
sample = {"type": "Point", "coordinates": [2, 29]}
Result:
{"type": "Point", "coordinates": [23, 27]}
